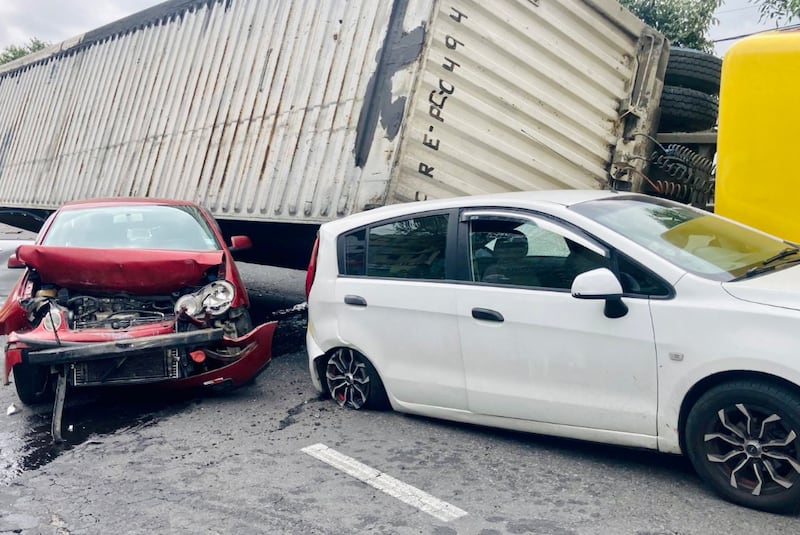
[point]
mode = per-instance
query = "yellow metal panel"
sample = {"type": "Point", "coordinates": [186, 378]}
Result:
{"type": "Point", "coordinates": [758, 178]}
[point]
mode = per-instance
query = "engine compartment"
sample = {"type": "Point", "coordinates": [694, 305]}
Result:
{"type": "Point", "coordinates": [115, 311]}
{"type": "Point", "coordinates": [91, 310]}
{"type": "Point", "coordinates": [58, 316]}
{"type": "Point", "coordinates": [206, 303]}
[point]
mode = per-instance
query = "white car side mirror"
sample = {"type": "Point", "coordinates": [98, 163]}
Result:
{"type": "Point", "coordinates": [601, 283]}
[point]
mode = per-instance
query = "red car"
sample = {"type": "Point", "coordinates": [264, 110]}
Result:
{"type": "Point", "coordinates": [129, 291]}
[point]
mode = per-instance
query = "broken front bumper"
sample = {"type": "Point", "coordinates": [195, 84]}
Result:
{"type": "Point", "coordinates": [156, 357]}
{"type": "Point", "coordinates": [118, 348]}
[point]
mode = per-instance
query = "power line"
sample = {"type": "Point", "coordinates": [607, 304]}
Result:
{"type": "Point", "coordinates": [731, 10]}
{"type": "Point", "coordinates": [733, 38]}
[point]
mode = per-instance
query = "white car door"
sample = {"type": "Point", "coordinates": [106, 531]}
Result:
{"type": "Point", "coordinates": [533, 351]}
{"type": "Point", "coordinates": [396, 307]}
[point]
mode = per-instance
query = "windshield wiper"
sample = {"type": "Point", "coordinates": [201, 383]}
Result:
{"type": "Point", "coordinates": [758, 270]}
{"type": "Point", "coordinates": [789, 251]}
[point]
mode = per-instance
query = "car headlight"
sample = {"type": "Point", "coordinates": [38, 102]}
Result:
{"type": "Point", "coordinates": [214, 299]}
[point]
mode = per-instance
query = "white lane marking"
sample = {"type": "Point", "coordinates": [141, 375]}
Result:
{"type": "Point", "coordinates": [386, 483]}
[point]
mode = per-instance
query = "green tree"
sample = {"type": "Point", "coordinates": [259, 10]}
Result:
{"type": "Point", "coordinates": [12, 52]}
{"type": "Point", "coordinates": [778, 9]}
{"type": "Point", "coordinates": [684, 22]}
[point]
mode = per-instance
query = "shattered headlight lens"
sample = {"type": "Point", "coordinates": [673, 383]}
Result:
{"type": "Point", "coordinates": [214, 299]}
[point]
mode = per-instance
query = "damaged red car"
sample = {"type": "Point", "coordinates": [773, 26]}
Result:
{"type": "Point", "coordinates": [129, 291]}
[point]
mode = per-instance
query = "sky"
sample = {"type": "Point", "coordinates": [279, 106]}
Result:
{"type": "Point", "coordinates": [57, 20]}
{"type": "Point", "coordinates": [735, 18]}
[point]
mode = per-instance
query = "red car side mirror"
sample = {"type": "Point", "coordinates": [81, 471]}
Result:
{"type": "Point", "coordinates": [240, 243]}
{"type": "Point", "coordinates": [14, 262]}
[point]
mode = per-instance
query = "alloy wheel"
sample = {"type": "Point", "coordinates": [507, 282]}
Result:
{"type": "Point", "coordinates": [348, 379]}
{"type": "Point", "coordinates": [754, 448]}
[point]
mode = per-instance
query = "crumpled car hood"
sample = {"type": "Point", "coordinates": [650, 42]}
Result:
{"type": "Point", "coordinates": [778, 288]}
{"type": "Point", "coordinates": [137, 271]}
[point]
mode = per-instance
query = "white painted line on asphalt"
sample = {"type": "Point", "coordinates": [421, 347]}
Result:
{"type": "Point", "coordinates": [386, 483]}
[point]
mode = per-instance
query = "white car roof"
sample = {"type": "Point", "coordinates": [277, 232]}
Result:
{"type": "Point", "coordinates": [520, 199]}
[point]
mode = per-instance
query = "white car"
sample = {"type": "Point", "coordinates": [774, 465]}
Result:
{"type": "Point", "coordinates": [602, 316]}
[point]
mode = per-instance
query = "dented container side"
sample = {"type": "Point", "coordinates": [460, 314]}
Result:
{"type": "Point", "coordinates": [527, 95]}
{"type": "Point", "coordinates": [260, 110]}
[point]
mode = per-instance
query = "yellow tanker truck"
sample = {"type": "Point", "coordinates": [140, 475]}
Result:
{"type": "Point", "coordinates": [757, 179]}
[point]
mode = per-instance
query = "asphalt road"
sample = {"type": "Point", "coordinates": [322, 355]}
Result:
{"type": "Point", "coordinates": [234, 463]}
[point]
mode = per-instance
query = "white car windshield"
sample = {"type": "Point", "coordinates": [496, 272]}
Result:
{"type": "Point", "coordinates": [132, 226]}
{"type": "Point", "coordinates": [697, 241]}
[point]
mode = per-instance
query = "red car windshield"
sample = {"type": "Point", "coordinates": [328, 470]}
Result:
{"type": "Point", "coordinates": [132, 226]}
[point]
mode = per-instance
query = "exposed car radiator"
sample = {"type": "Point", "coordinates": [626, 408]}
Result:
{"type": "Point", "coordinates": [141, 367]}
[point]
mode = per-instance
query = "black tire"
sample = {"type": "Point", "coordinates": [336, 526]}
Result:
{"type": "Point", "coordinates": [687, 110]}
{"type": "Point", "coordinates": [353, 382]}
{"type": "Point", "coordinates": [33, 384]}
{"type": "Point", "coordinates": [693, 69]}
{"type": "Point", "coordinates": [743, 439]}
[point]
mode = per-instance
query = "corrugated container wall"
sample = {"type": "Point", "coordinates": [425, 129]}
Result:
{"type": "Point", "coordinates": [529, 95]}
{"type": "Point", "coordinates": [307, 110]}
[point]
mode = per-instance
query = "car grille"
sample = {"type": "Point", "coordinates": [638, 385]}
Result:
{"type": "Point", "coordinates": [139, 368]}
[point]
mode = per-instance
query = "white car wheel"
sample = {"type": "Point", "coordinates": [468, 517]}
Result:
{"type": "Point", "coordinates": [743, 439]}
{"type": "Point", "coordinates": [353, 382]}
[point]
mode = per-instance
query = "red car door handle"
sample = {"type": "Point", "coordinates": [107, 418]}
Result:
{"type": "Point", "coordinates": [487, 314]}
{"type": "Point", "coordinates": [355, 300]}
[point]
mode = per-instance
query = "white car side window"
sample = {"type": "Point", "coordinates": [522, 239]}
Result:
{"type": "Point", "coordinates": [412, 248]}
{"type": "Point", "coordinates": [519, 252]}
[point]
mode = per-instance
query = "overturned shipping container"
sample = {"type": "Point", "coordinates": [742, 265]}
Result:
{"type": "Point", "coordinates": [279, 115]}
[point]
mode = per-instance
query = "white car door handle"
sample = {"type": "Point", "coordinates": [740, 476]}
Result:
{"type": "Point", "coordinates": [355, 300]}
{"type": "Point", "coordinates": [487, 314]}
